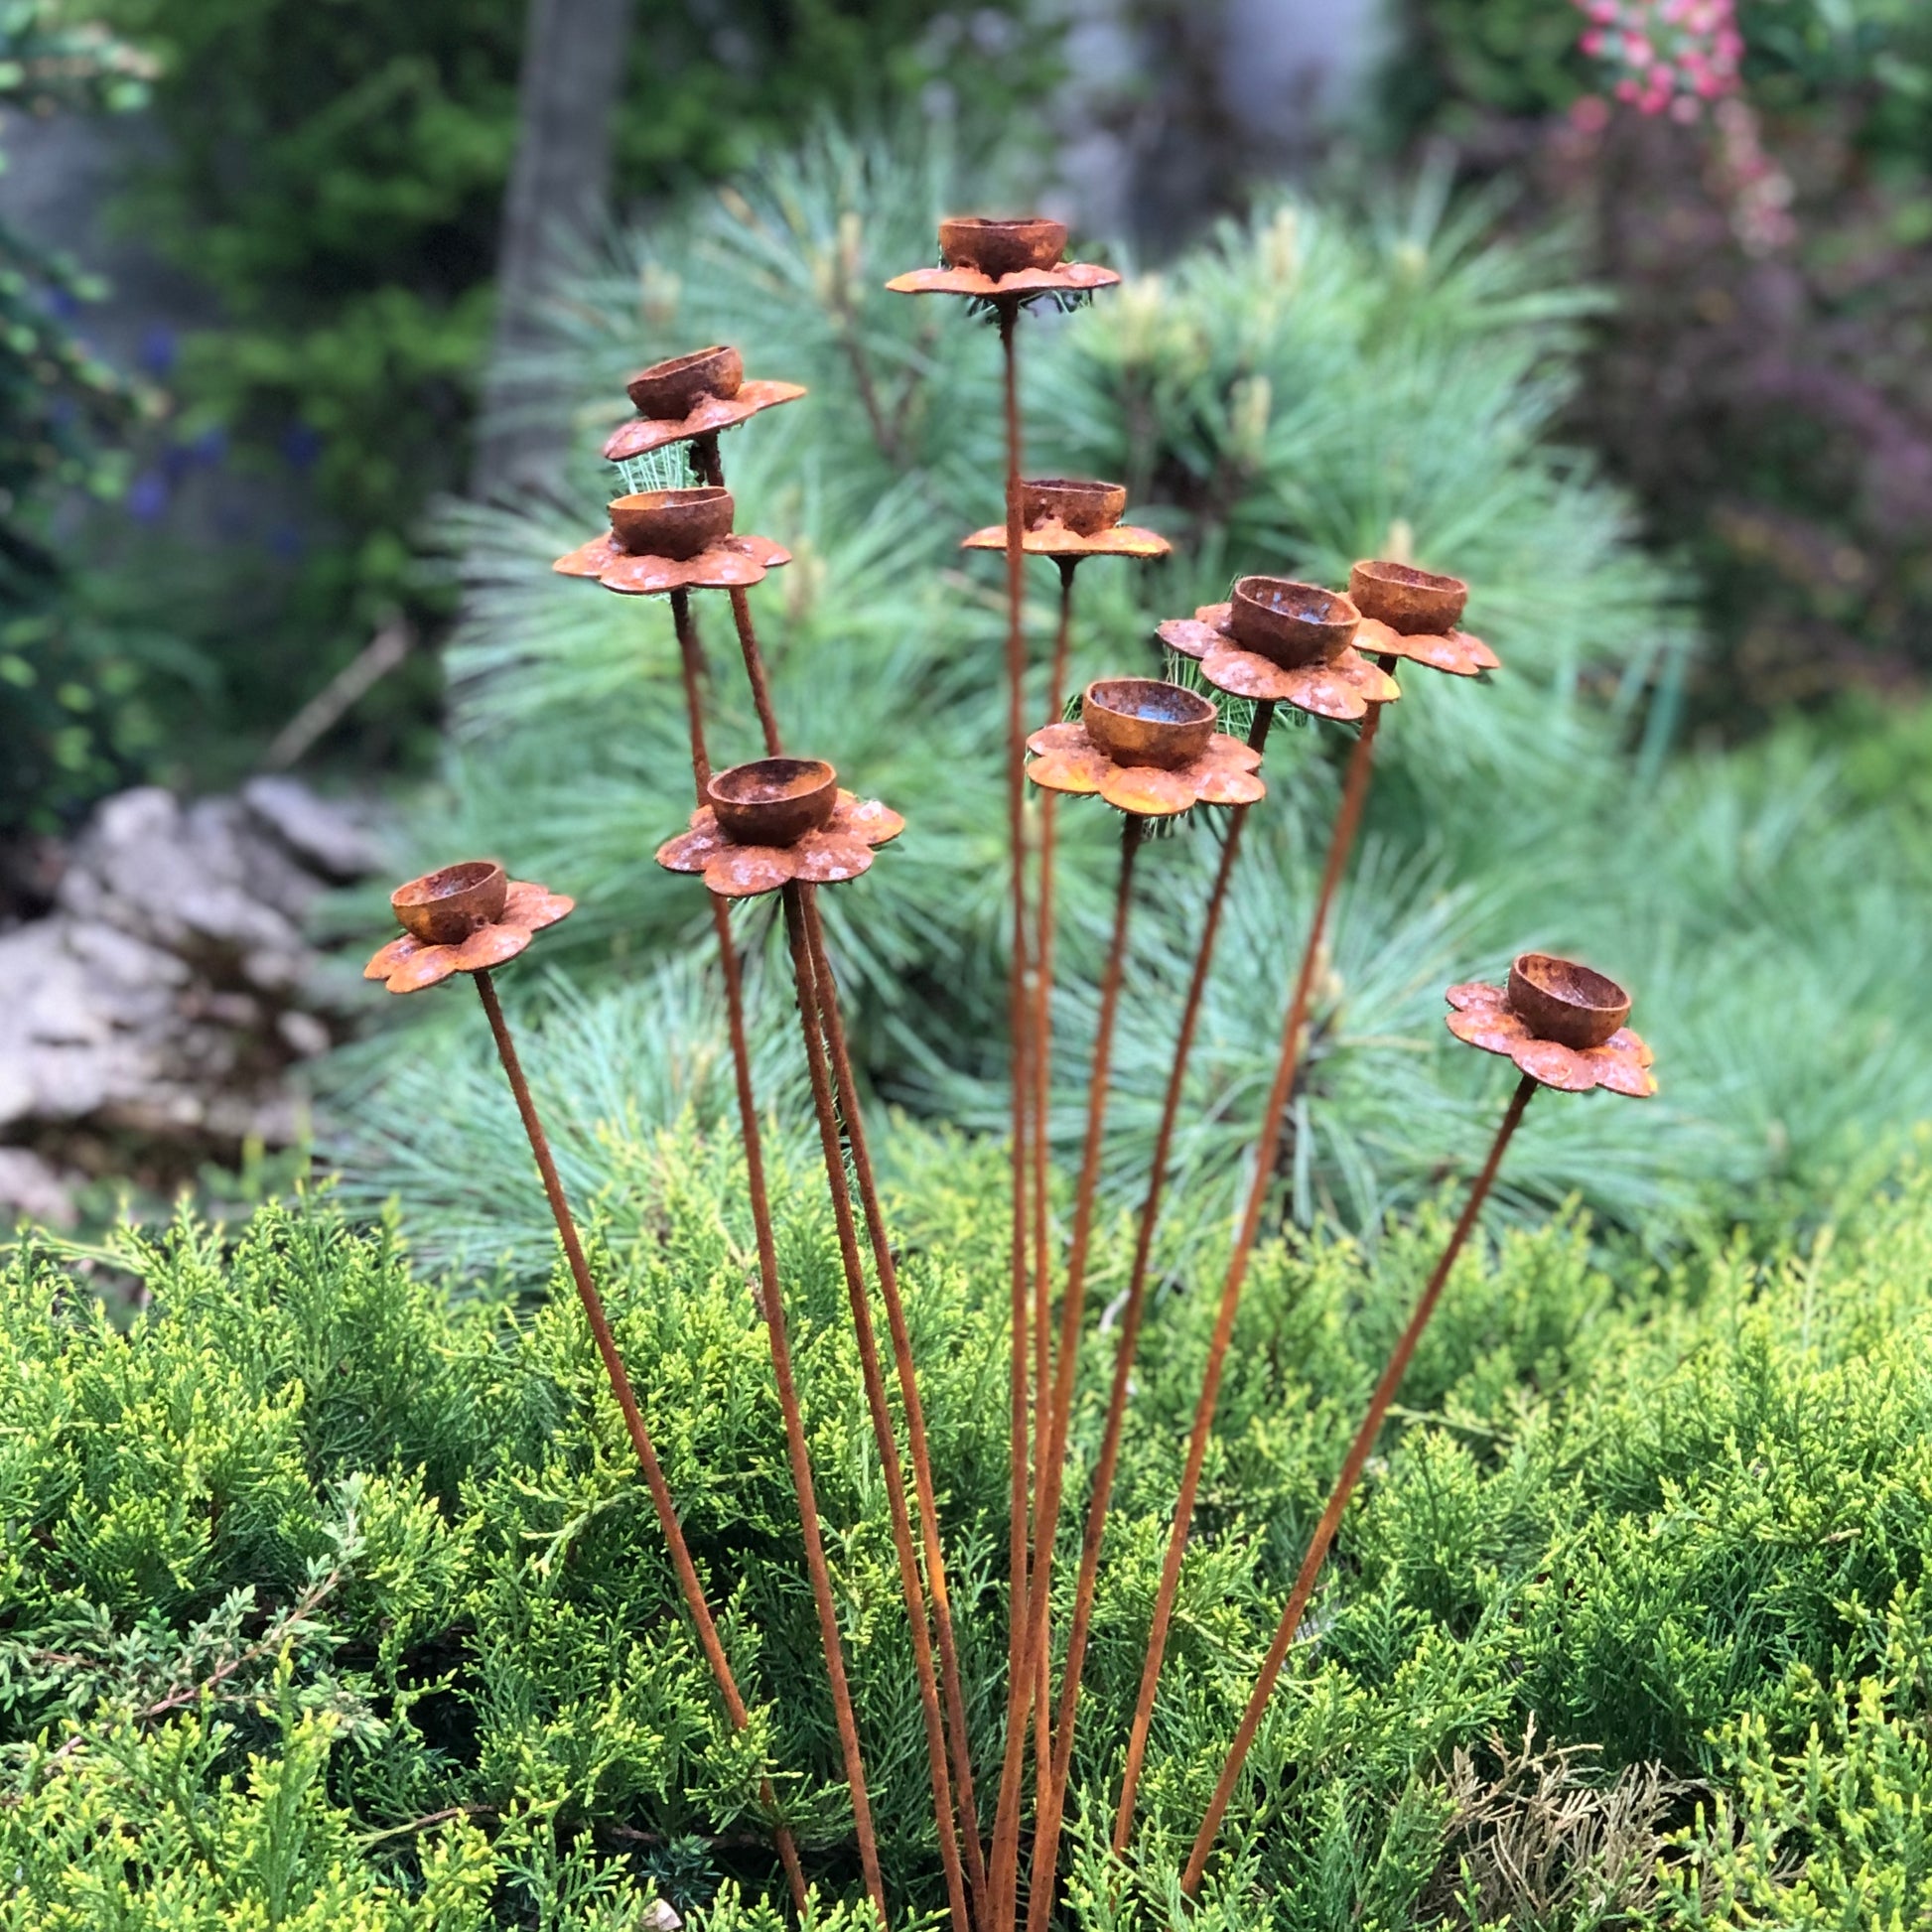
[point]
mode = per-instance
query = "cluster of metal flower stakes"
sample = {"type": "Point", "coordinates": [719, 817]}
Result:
{"type": "Point", "coordinates": [782, 824]}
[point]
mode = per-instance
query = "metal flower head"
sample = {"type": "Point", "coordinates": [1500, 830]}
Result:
{"type": "Point", "coordinates": [673, 540]}
{"type": "Point", "coordinates": [1561, 1023]}
{"type": "Point", "coordinates": [1069, 518]}
{"type": "Point", "coordinates": [1147, 748]}
{"type": "Point", "coordinates": [691, 396]}
{"type": "Point", "coordinates": [1017, 261]}
{"type": "Point", "coordinates": [1280, 641]}
{"type": "Point", "coordinates": [1414, 613]}
{"type": "Point", "coordinates": [776, 820]}
{"type": "Point", "coordinates": [462, 919]}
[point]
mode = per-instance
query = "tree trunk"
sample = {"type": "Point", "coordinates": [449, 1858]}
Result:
{"type": "Point", "coordinates": [574, 60]}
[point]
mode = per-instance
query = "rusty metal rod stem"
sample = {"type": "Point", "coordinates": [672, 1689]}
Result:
{"type": "Point", "coordinates": [1053, 1452]}
{"type": "Point", "coordinates": [690, 663]}
{"type": "Point", "coordinates": [1351, 1470]}
{"type": "Point", "coordinates": [1052, 1805]}
{"type": "Point", "coordinates": [633, 1421]}
{"type": "Point", "coordinates": [1043, 1109]}
{"type": "Point", "coordinates": [1340, 842]}
{"type": "Point", "coordinates": [710, 464]}
{"type": "Point", "coordinates": [923, 1490]}
{"type": "Point", "coordinates": [804, 968]}
{"type": "Point", "coordinates": [1016, 1024]}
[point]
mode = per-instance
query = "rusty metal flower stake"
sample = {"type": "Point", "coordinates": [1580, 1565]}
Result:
{"type": "Point", "coordinates": [1068, 519]}
{"type": "Point", "coordinates": [1284, 641]}
{"type": "Point", "coordinates": [1562, 1025]}
{"type": "Point", "coordinates": [1152, 751]}
{"type": "Point", "coordinates": [467, 918]}
{"type": "Point", "coordinates": [1006, 266]}
{"type": "Point", "coordinates": [674, 541]}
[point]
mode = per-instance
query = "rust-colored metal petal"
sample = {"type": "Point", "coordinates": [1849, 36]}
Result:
{"type": "Point", "coordinates": [1624, 1071]}
{"type": "Point", "coordinates": [1053, 539]}
{"type": "Point", "coordinates": [1069, 735]}
{"type": "Point", "coordinates": [732, 563]}
{"type": "Point", "coordinates": [1455, 651]}
{"type": "Point", "coordinates": [865, 819]}
{"type": "Point", "coordinates": [1567, 1068]}
{"type": "Point", "coordinates": [709, 415]}
{"type": "Point", "coordinates": [745, 871]}
{"type": "Point", "coordinates": [824, 857]}
{"type": "Point", "coordinates": [1476, 993]}
{"type": "Point", "coordinates": [490, 945]}
{"type": "Point", "coordinates": [1494, 1029]}
{"type": "Point", "coordinates": [535, 906]}
{"type": "Point", "coordinates": [591, 559]}
{"type": "Point", "coordinates": [1236, 753]}
{"type": "Point", "coordinates": [1080, 772]}
{"type": "Point", "coordinates": [1225, 781]}
{"type": "Point", "coordinates": [1624, 1040]}
{"type": "Point", "coordinates": [1063, 277]}
{"type": "Point", "coordinates": [694, 850]}
{"type": "Point", "coordinates": [386, 959]}
{"type": "Point", "coordinates": [428, 966]}
{"type": "Point", "coordinates": [1149, 789]}
{"type": "Point", "coordinates": [1194, 636]}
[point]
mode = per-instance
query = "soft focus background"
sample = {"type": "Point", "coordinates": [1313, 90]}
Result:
{"type": "Point", "coordinates": [315, 317]}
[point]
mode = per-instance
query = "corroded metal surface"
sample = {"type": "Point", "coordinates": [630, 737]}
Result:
{"type": "Point", "coordinates": [1120, 763]}
{"type": "Point", "coordinates": [1343, 688]}
{"type": "Point", "coordinates": [1415, 613]}
{"type": "Point", "coordinates": [1558, 1027]}
{"type": "Point", "coordinates": [1353, 1465]}
{"type": "Point", "coordinates": [1005, 262]}
{"type": "Point", "coordinates": [689, 1586]}
{"type": "Point", "coordinates": [691, 396]}
{"type": "Point", "coordinates": [464, 919]}
{"type": "Point", "coordinates": [733, 562]}
{"type": "Point", "coordinates": [1071, 518]}
{"type": "Point", "coordinates": [839, 849]}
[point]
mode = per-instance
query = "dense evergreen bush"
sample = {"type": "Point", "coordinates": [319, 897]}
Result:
{"type": "Point", "coordinates": [325, 1602]}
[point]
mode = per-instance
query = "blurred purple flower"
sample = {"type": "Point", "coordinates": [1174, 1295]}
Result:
{"type": "Point", "coordinates": [301, 445]}
{"type": "Point", "coordinates": [147, 496]}
{"type": "Point", "coordinates": [160, 346]}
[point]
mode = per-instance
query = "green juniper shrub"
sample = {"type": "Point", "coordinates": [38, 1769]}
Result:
{"type": "Point", "coordinates": [327, 1599]}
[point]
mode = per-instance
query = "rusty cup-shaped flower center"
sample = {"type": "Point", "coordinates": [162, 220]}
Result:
{"type": "Point", "coordinates": [1142, 721]}
{"type": "Point", "coordinates": [675, 523]}
{"type": "Point", "coordinates": [773, 801]}
{"type": "Point", "coordinates": [1412, 602]}
{"type": "Point", "coordinates": [1290, 623]}
{"type": "Point", "coordinates": [1558, 1000]}
{"type": "Point", "coordinates": [669, 391]}
{"type": "Point", "coordinates": [443, 908]}
{"type": "Point", "coordinates": [1000, 247]}
{"type": "Point", "coordinates": [1085, 508]}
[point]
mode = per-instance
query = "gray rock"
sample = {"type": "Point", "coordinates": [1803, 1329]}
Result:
{"type": "Point", "coordinates": [163, 999]}
{"type": "Point", "coordinates": [33, 1189]}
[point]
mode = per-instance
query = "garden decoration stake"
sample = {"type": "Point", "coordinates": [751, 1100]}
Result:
{"type": "Point", "coordinates": [1068, 519]}
{"type": "Point", "coordinates": [1290, 643]}
{"type": "Point", "coordinates": [675, 541]}
{"type": "Point", "coordinates": [468, 919]}
{"type": "Point", "coordinates": [694, 398]}
{"type": "Point", "coordinates": [1562, 1025]}
{"type": "Point", "coordinates": [1152, 751]}
{"type": "Point", "coordinates": [811, 976]}
{"type": "Point", "coordinates": [1006, 265]}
